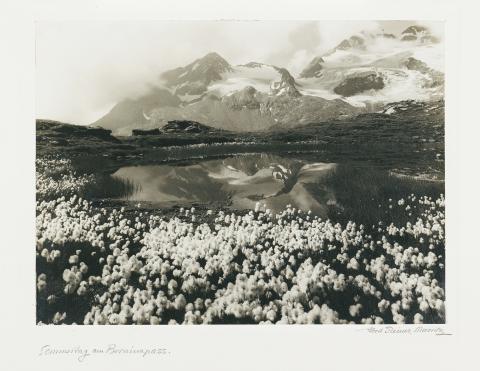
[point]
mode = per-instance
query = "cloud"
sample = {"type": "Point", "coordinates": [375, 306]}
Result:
{"type": "Point", "coordinates": [437, 28]}
{"type": "Point", "coordinates": [332, 32]}
{"type": "Point", "coordinates": [314, 38]}
{"type": "Point", "coordinates": [84, 68]}
{"type": "Point", "coordinates": [301, 44]}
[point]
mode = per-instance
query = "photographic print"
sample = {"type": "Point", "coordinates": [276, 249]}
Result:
{"type": "Point", "coordinates": [240, 172]}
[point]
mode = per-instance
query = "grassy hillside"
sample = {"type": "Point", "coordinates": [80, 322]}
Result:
{"type": "Point", "coordinates": [410, 137]}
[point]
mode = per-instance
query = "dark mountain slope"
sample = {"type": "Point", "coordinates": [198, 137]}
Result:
{"type": "Point", "coordinates": [135, 112]}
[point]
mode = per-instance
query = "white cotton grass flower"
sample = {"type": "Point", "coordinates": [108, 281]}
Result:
{"type": "Point", "coordinates": [41, 282]}
{"type": "Point", "coordinates": [253, 267]}
{"type": "Point", "coordinates": [353, 264]}
{"type": "Point", "coordinates": [83, 268]}
{"type": "Point", "coordinates": [354, 310]}
{"type": "Point", "coordinates": [58, 318]}
{"type": "Point", "coordinates": [424, 307]}
{"type": "Point", "coordinates": [399, 319]}
{"type": "Point", "coordinates": [383, 305]}
{"type": "Point", "coordinates": [418, 319]}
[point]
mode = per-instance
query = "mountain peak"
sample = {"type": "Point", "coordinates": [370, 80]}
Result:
{"type": "Point", "coordinates": [314, 68]}
{"type": "Point", "coordinates": [253, 65]}
{"type": "Point", "coordinates": [415, 29]}
{"type": "Point", "coordinates": [211, 61]}
{"type": "Point", "coordinates": [418, 33]}
{"type": "Point", "coordinates": [286, 85]}
{"type": "Point", "coordinates": [352, 42]}
{"type": "Point", "coordinates": [213, 56]}
{"type": "Point", "coordinates": [194, 78]}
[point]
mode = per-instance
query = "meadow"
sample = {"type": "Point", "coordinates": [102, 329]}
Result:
{"type": "Point", "coordinates": [378, 256]}
{"type": "Point", "coordinates": [375, 255]}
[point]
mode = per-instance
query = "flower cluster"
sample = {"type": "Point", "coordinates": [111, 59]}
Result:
{"type": "Point", "coordinates": [56, 177]}
{"type": "Point", "coordinates": [202, 267]}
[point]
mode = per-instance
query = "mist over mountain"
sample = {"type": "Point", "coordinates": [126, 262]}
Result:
{"type": "Point", "coordinates": [243, 173]}
{"type": "Point", "coordinates": [362, 73]}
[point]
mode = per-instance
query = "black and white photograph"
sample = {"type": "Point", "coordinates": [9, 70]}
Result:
{"type": "Point", "coordinates": [218, 177]}
{"type": "Point", "coordinates": [239, 185]}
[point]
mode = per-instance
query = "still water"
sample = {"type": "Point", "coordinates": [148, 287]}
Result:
{"type": "Point", "coordinates": [239, 181]}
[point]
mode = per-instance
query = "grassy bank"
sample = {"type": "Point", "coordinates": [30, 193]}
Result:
{"type": "Point", "coordinates": [379, 258]}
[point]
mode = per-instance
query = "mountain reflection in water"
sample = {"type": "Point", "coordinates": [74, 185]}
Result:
{"type": "Point", "coordinates": [240, 181]}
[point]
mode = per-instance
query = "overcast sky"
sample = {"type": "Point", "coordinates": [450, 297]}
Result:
{"type": "Point", "coordinates": [84, 68]}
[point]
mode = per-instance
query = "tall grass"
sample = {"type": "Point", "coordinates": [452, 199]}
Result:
{"type": "Point", "coordinates": [363, 193]}
{"type": "Point", "coordinates": [107, 186]}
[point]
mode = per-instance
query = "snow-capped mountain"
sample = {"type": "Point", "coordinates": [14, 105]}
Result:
{"type": "Point", "coordinates": [372, 69]}
{"type": "Point", "coordinates": [213, 74]}
{"type": "Point", "coordinates": [362, 73]}
{"type": "Point", "coordinates": [194, 79]}
{"type": "Point", "coordinates": [314, 68]}
{"type": "Point", "coordinates": [134, 113]}
{"type": "Point", "coordinates": [250, 97]}
{"type": "Point", "coordinates": [418, 33]}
